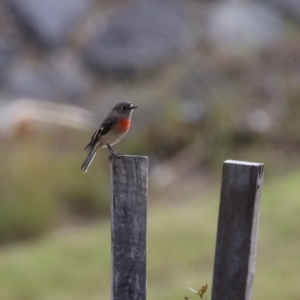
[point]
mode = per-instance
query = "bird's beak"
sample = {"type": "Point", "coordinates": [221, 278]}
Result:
{"type": "Point", "coordinates": [133, 107]}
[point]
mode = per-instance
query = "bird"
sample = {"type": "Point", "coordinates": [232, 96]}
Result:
{"type": "Point", "coordinates": [111, 131]}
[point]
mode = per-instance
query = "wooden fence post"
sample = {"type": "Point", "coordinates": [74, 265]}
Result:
{"type": "Point", "coordinates": [129, 181]}
{"type": "Point", "coordinates": [237, 230]}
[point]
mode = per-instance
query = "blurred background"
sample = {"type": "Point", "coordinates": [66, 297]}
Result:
{"type": "Point", "coordinates": [213, 80]}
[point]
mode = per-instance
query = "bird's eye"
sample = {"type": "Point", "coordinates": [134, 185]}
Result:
{"type": "Point", "coordinates": [124, 107]}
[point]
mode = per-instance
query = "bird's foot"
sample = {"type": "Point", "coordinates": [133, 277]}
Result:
{"type": "Point", "coordinates": [110, 158]}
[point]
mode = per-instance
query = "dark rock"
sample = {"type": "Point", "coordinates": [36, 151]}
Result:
{"type": "Point", "coordinates": [289, 7]}
{"type": "Point", "coordinates": [49, 21]}
{"type": "Point", "coordinates": [8, 49]}
{"type": "Point", "coordinates": [140, 37]}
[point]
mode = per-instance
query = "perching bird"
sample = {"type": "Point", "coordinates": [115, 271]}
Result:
{"type": "Point", "coordinates": [112, 129]}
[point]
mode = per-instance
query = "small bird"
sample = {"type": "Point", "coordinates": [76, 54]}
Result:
{"type": "Point", "coordinates": [110, 132]}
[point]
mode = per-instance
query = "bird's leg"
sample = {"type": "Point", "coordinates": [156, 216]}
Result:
{"type": "Point", "coordinates": [112, 152]}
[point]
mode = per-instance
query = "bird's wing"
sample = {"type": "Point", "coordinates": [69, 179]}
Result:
{"type": "Point", "coordinates": [108, 124]}
{"type": "Point", "coordinates": [104, 128]}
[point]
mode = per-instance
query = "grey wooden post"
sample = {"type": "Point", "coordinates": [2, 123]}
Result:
{"type": "Point", "coordinates": [129, 220]}
{"type": "Point", "coordinates": [237, 230]}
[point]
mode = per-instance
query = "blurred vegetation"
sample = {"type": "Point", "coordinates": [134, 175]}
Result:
{"type": "Point", "coordinates": [244, 110]}
{"type": "Point", "coordinates": [42, 186]}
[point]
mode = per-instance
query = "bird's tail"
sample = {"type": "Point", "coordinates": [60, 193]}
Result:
{"type": "Point", "coordinates": [87, 162]}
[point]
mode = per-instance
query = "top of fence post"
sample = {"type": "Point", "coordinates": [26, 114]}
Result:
{"type": "Point", "coordinates": [237, 230]}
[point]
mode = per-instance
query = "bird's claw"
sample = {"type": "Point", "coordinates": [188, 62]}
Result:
{"type": "Point", "coordinates": [110, 158]}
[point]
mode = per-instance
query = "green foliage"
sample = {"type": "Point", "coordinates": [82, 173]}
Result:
{"type": "Point", "coordinates": [42, 186]}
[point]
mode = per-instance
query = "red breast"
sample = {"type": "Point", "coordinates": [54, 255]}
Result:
{"type": "Point", "coordinates": [124, 124]}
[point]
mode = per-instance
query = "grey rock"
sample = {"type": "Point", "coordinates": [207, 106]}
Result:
{"type": "Point", "coordinates": [243, 27]}
{"type": "Point", "coordinates": [141, 36]}
{"type": "Point", "coordinates": [49, 21]}
{"type": "Point", "coordinates": [48, 81]}
{"type": "Point", "coordinates": [197, 87]}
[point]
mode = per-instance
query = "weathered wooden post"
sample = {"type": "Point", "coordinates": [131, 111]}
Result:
{"type": "Point", "coordinates": [237, 230]}
{"type": "Point", "coordinates": [129, 220]}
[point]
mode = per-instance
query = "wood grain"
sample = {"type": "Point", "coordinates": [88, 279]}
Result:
{"type": "Point", "coordinates": [237, 230]}
{"type": "Point", "coordinates": [129, 223]}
